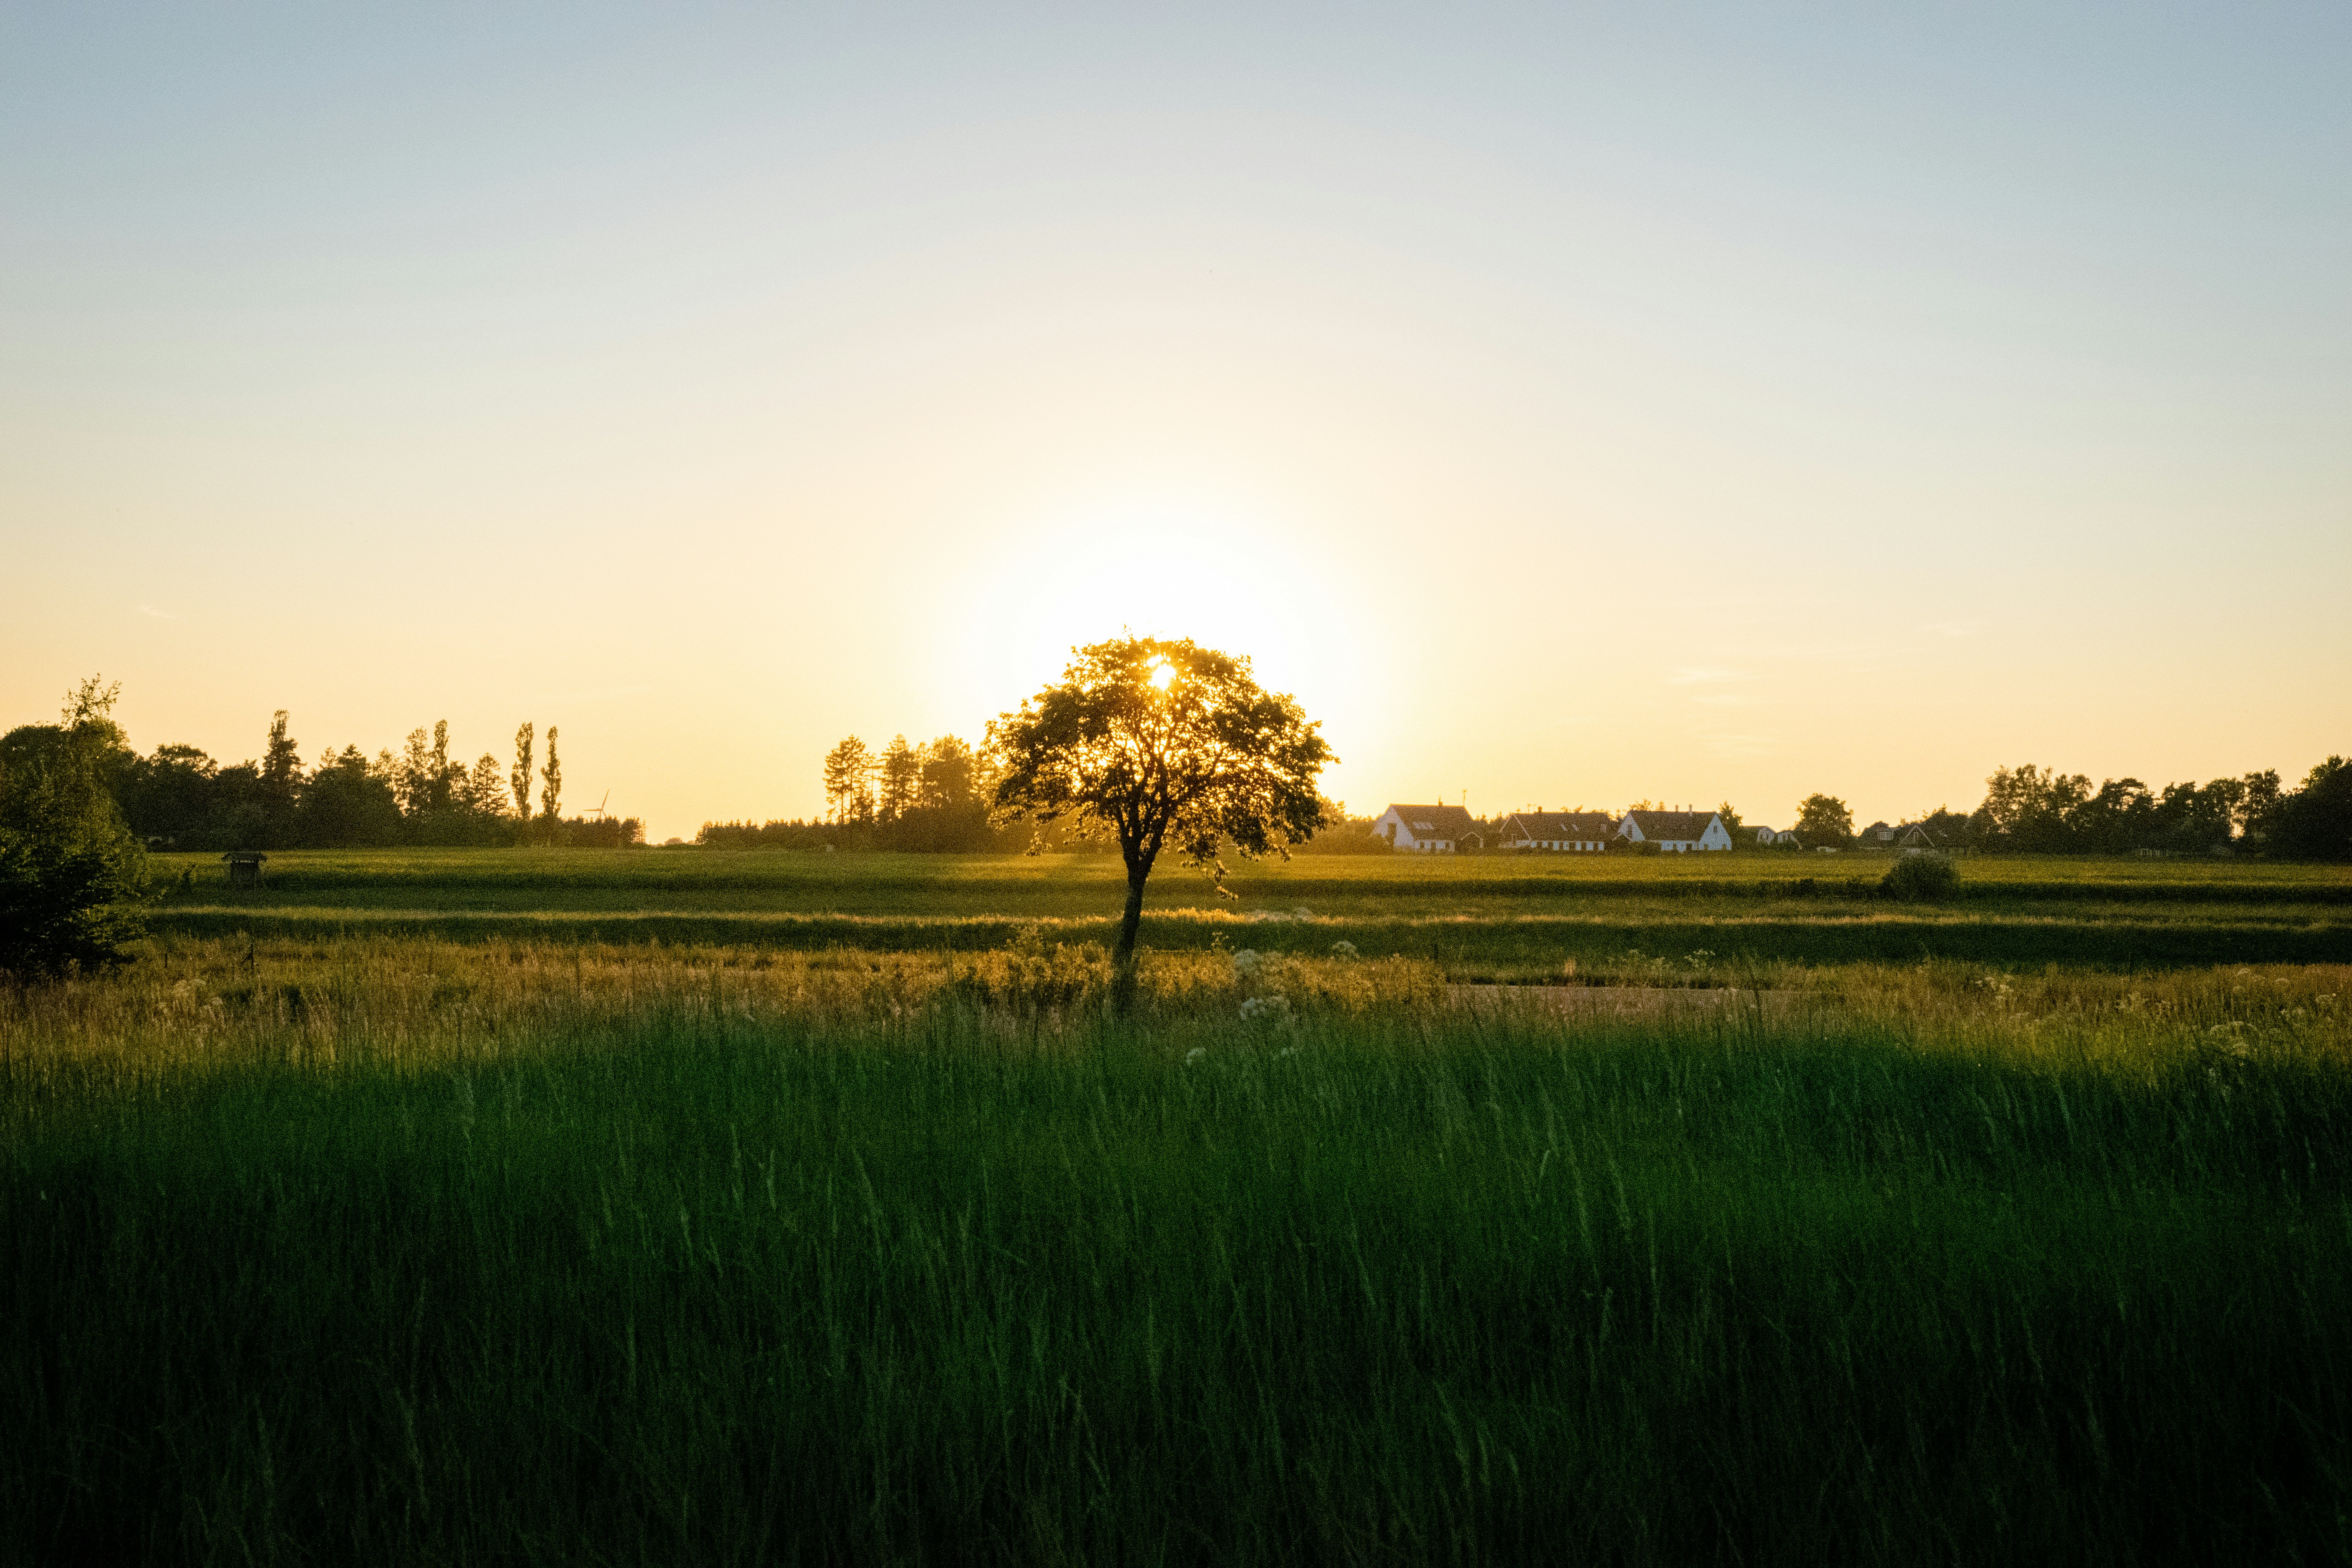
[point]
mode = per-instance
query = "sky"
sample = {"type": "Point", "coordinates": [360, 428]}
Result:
{"type": "Point", "coordinates": [1568, 405]}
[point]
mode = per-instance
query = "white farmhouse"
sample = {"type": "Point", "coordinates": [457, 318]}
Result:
{"type": "Point", "coordinates": [1675, 832]}
{"type": "Point", "coordinates": [1771, 838]}
{"type": "Point", "coordinates": [1428, 830]}
{"type": "Point", "coordinates": [1569, 831]}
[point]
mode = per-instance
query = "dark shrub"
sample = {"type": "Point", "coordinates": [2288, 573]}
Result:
{"type": "Point", "coordinates": [1921, 878]}
{"type": "Point", "coordinates": [69, 869]}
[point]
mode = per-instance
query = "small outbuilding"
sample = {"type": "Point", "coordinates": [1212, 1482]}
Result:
{"type": "Point", "coordinates": [245, 867]}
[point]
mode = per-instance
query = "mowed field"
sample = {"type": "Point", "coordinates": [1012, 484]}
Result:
{"type": "Point", "coordinates": [746, 1208]}
{"type": "Point", "coordinates": [1498, 918]}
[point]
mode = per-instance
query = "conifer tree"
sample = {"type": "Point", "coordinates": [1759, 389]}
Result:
{"type": "Point", "coordinates": [848, 792]}
{"type": "Point", "coordinates": [902, 778]}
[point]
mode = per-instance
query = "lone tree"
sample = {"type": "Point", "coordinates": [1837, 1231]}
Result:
{"type": "Point", "coordinates": [1161, 745]}
{"type": "Point", "coordinates": [1823, 819]}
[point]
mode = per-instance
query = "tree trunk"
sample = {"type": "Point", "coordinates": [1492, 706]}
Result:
{"type": "Point", "coordinates": [1122, 984]}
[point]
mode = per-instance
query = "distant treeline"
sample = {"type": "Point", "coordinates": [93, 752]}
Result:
{"type": "Point", "coordinates": [928, 797]}
{"type": "Point", "coordinates": [935, 797]}
{"type": "Point", "coordinates": [2036, 810]}
{"type": "Point", "coordinates": [177, 798]}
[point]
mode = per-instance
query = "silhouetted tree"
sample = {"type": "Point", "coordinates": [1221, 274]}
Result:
{"type": "Point", "coordinates": [413, 776]}
{"type": "Point", "coordinates": [2315, 822]}
{"type": "Point", "coordinates": [442, 791]}
{"type": "Point", "coordinates": [483, 793]}
{"type": "Point", "coordinates": [2258, 801]}
{"type": "Point", "coordinates": [950, 774]}
{"type": "Point", "coordinates": [348, 803]}
{"type": "Point", "coordinates": [901, 772]}
{"type": "Point", "coordinates": [1823, 820]}
{"type": "Point", "coordinates": [2032, 809]}
{"type": "Point", "coordinates": [520, 780]}
{"type": "Point", "coordinates": [170, 795]}
{"type": "Point", "coordinates": [848, 772]}
{"type": "Point", "coordinates": [550, 790]}
{"type": "Point", "coordinates": [70, 865]}
{"type": "Point", "coordinates": [281, 781]}
{"type": "Point", "coordinates": [1946, 827]}
{"type": "Point", "coordinates": [1160, 744]}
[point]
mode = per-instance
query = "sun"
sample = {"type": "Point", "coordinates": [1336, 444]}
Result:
{"type": "Point", "coordinates": [1252, 585]}
{"type": "Point", "coordinates": [1163, 675]}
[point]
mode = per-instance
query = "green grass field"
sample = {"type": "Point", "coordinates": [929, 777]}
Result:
{"type": "Point", "coordinates": [1490, 918]}
{"type": "Point", "coordinates": [743, 1209]}
{"type": "Point", "coordinates": [413, 1251]}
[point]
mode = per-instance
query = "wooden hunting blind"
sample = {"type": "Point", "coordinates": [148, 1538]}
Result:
{"type": "Point", "coordinates": [245, 867]}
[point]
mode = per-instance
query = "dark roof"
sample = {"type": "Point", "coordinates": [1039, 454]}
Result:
{"type": "Point", "coordinates": [1671, 825]}
{"type": "Point", "coordinates": [1544, 826]}
{"type": "Point", "coordinates": [1435, 821]}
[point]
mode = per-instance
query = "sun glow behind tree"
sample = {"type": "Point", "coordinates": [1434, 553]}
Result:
{"type": "Point", "coordinates": [1224, 579]}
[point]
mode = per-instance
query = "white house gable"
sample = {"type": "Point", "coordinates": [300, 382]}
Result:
{"type": "Point", "coordinates": [1425, 829]}
{"type": "Point", "coordinates": [1676, 832]}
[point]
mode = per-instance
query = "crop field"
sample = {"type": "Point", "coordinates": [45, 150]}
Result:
{"type": "Point", "coordinates": [688, 1207]}
{"type": "Point", "coordinates": [1501, 917]}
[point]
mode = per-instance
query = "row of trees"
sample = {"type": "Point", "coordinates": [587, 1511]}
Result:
{"type": "Point", "coordinates": [932, 796]}
{"type": "Point", "coordinates": [2036, 810]}
{"type": "Point", "coordinates": [178, 797]}
{"type": "Point", "coordinates": [935, 796]}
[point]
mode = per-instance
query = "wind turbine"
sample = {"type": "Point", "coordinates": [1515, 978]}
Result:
{"type": "Point", "coordinates": [597, 810]}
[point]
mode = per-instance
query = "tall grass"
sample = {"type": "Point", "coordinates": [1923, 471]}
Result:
{"type": "Point", "coordinates": [527, 1254]}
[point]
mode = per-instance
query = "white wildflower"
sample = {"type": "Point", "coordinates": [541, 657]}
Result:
{"type": "Point", "coordinates": [1247, 960]}
{"type": "Point", "coordinates": [1195, 1054]}
{"type": "Point", "coordinates": [1274, 1008]}
{"type": "Point", "coordinates": [1343, 950]}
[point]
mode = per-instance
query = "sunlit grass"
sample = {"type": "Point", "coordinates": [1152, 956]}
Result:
{"type": "Point", "coordinates": [1075, 884]}
{"type": "Point", "coordinates": [1506, 918]}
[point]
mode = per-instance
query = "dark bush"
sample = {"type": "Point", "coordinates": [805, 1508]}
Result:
{"type": "Point", "coordinates": [1921, 878]}
{"type": "Point", "coordinates": [71, 869]}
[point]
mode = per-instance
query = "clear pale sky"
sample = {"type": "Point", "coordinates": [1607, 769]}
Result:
{"type": "Point", "coordinates": [1567, 405]}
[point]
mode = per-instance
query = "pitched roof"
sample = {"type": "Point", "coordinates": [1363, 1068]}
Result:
{"type": "Point", "coordinates": [1546, 826]}
{"type": "Point", "coordinates": [1671, 825]}
{"type": "Point", "coordinates": [1435, 821]}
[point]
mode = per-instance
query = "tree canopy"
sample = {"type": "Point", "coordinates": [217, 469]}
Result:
{"type": "Point", "coordinates": [1161, 745]}
{"type": "Point", "coordinates": [69, 867]}
{"type": "Point", "coordinates": [1823, 819]}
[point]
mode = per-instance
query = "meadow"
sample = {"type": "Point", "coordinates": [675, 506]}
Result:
{"type": "Point", "coordinates": [352, 1222]}
{"type": "Point", "coordinates": [1501, 917]}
